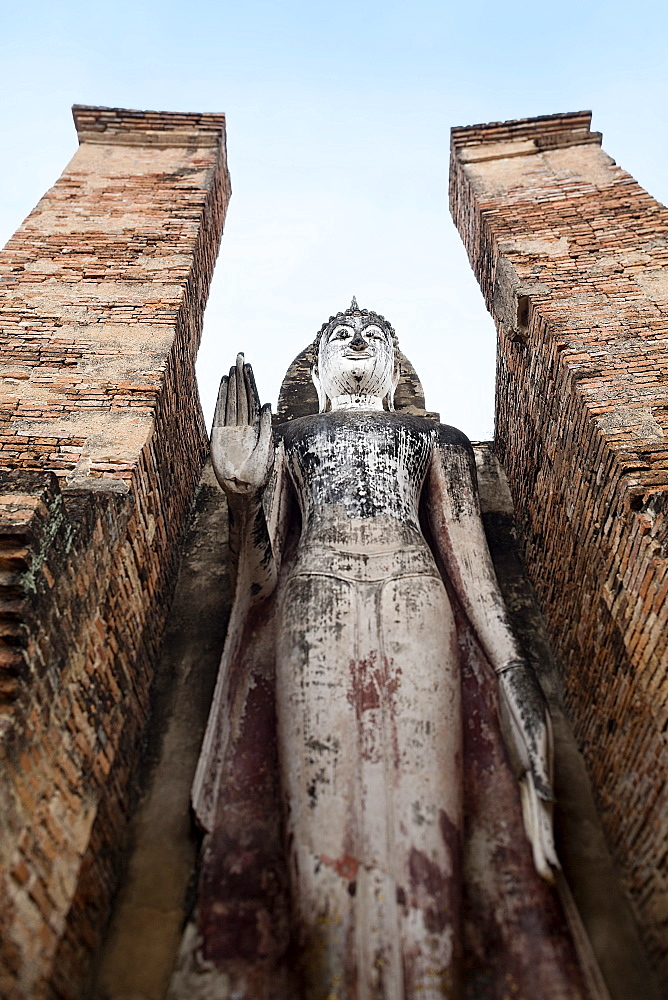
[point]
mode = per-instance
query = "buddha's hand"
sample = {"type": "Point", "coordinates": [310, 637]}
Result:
{"type": "Point", "coordinates": [242, 452]}
{"type": "Point", "coordinates": [527, 733]}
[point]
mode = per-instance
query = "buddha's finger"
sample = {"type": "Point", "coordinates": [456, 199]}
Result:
{"type": "Point", "coordinates": [242, 398]}
{"type": "Point", "coordinates": [253, 398]}
{"type": "Point", "coordinates": [231, 409]}
{"type": "Point", "coordinates": [221, 402]}
{"type": "Point", "coordinates": [264, 437]}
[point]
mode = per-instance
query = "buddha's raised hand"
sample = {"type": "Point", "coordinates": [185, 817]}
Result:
{"type": "Point", "coordinates": [242, 451]}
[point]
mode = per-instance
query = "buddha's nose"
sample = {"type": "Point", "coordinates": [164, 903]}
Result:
{"type": "Point", "coordinates": [358, 343]}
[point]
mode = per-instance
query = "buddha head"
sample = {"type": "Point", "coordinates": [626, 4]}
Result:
{"type": "Point", "coordinates": [356, 359]}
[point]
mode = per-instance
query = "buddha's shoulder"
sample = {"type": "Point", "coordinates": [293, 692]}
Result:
{"type": "Point", "coordinates": [370, 422]}
{"type": "Point", "coordinates": [365, 423]}
{"type": "Point", "coordinates": [451, 437]}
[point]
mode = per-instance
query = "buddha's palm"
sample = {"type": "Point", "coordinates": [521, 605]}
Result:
{"type": "Point", "coordinates": [241, 439]}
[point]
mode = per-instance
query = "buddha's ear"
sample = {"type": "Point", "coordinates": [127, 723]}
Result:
{"type": "Point", "coordinates": [322, 398]}
{"type": "Point", "coordinates": [395, 382]}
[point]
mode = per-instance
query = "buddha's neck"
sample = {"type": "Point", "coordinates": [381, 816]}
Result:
{"type": "Point", "coordinates": [347, 402]}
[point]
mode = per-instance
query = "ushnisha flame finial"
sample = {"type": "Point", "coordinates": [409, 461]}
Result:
{"type": "Point", "coordinates": [353, 305]}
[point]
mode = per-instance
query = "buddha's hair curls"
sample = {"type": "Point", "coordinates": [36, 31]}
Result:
{"type": "Point", "coordinates": [355, 310]}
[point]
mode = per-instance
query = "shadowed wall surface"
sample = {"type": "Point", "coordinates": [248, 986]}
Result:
{"type": "Point", "coordinates": [102, 443]}
{"type": "Point", "coordinates": [571, 257]}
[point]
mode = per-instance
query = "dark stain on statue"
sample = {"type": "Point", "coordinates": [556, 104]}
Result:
{"type": "Point", "coordinates": [372, 688]}
{"type": "Point", "coordinates": [243, 911]}
{"type": "Point", "coordinates": [320, 778]}
{"type": "Point", "coordinates": [314, 446]}
{"type": "Point", "coordinates": [372, 684]}
{"type": "Point", "coordinates": [427, 879]}
{"type": "Point", "coordinates": [346, 866]}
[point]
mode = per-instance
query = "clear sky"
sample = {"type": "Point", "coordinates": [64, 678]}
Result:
{"type": "Point", "coordinates": [338, 121]}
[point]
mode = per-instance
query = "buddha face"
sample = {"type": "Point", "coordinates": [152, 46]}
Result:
{"type": "Point", "coordinates": [356, 358]}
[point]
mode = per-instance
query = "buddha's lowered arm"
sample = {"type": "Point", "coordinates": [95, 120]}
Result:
{"type": "Point", "coordinates": [454, 516]}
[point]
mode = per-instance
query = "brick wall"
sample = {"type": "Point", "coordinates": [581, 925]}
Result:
{"type": "Point", "coordinates": [102, 442]}
{"type": "Point", "coordinates": [571, 257]}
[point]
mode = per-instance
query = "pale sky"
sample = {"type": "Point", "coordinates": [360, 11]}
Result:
{"type": "Point", "coordinates": [338, 118]}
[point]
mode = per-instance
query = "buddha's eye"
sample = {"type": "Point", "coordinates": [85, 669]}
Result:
{"type": "Point", "coordinates": [344, 333]}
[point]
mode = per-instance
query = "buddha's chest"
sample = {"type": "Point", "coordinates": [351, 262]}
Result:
{"type": "Point", "coordinates": [366, 463]}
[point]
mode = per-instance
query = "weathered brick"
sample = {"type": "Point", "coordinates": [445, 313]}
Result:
{"type": "Point", "coordinates": [20, 871]}
{"type": "Point", "coordinates": [101, 319]}
{"type": "Point", "coordinates": [572, 258]}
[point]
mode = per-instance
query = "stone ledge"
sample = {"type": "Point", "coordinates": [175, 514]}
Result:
{"type": "Point", "coordinates": [526, 135]}
{"type": "Point", "coordinates": [154, 128]}
{"type": "Point", "coordinates": [159, 140]}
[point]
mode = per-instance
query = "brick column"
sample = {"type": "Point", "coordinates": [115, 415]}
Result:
{"type": "Point", "coordinates": [571, 255]}
{"type": "Point", "coordinates": [101, 445]}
